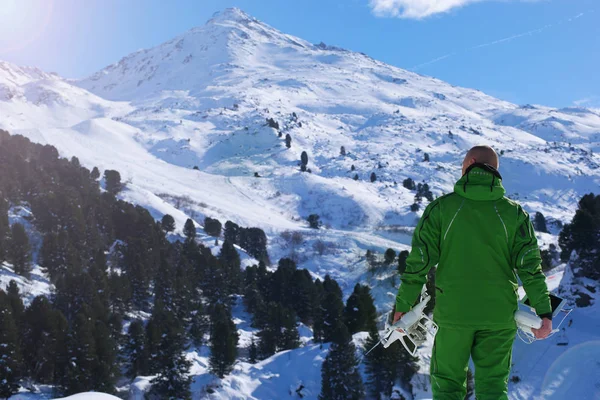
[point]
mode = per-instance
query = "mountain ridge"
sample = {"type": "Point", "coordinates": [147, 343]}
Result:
{"type": "Point", "coordinates": [212, 117]}
{"type": "Point", "coordinates": [207, 138]}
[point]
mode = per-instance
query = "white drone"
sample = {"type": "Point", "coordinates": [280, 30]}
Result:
{"type": "Point", "coordinates": [527, 319]}
{"type": "Point", "coordinates": [412, 329]}
{"type": "Point", "coordinates": [414, 326]}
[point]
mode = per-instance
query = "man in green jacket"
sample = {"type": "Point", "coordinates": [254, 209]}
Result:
{"type": "Point", "coordinates": [480, 241]}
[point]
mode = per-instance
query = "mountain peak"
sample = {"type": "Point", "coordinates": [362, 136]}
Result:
{"type": "Point", "coordinates": [18, 75]}
{"type": "Point", "coordinates": [232, 14]}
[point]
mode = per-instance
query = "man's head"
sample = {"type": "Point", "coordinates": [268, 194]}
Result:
{"type": "Point", "coordinates": [480, 154]}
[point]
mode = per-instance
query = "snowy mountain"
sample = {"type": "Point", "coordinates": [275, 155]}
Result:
{"type": "Point", "coordinates": [186, 125]}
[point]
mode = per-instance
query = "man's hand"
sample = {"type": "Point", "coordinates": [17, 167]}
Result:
{"type": "Point", "coordinates": [545, 329]}
{"type": "Point", "coordinates": [397, 316]}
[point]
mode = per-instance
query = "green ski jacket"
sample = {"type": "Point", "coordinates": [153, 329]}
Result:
{"type": "Point", "coordinates": [480, 241]}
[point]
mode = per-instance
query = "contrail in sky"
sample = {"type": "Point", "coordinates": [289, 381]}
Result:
{"type": "Point", "coordinates": [434, 60]}
{"type": "Point", "coordinates": [508, 39]}
{"type": "Point", "coordinates": [503, 40]}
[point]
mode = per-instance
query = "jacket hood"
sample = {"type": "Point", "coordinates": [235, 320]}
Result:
{"type": "Point", "coordinates": [480, 182]}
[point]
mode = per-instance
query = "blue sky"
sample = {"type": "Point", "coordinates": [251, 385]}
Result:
{"type": "Point", "coordinates": [524, 51]}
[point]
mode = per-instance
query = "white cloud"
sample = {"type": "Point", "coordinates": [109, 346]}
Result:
{"type": "Point", "coordinates": [591, 101]}
{"type": "Point", "coordinates": [417, 9]}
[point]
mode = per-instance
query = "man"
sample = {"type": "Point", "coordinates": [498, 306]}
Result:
{"type": "Point", "coordinates": [479, 239]}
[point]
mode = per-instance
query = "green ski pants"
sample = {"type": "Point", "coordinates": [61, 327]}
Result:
{"type": "Point", "coordinates": [491, 351]}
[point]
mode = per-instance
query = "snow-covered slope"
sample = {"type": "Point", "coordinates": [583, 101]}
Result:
{"type": "Point", "coordinates": [202, 99]}
{"type": "Point", "coordinates": [565, 366]}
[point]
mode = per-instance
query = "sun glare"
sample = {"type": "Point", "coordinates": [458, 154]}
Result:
{"type": "Point", "coordinates": [22, 22]}
{"type": "Point", "coordinates": [9, 11]}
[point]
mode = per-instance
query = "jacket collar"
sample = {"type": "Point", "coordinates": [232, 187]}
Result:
{"type": "Point", "coordinates": [480, 182]}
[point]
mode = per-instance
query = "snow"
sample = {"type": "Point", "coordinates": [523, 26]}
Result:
{"type": "Point", "coordinates": [90, 396]}
{"type": "Point", "coordinates": [47, 396]}
{"type": "Point", "coordinates": [550, 371]}
{"type": "Point", "coordinates": [38, 284]}
{"type": "Point", "coordinates": [202, 100]}
{"type": "Point", "coordinates": [277, 376]}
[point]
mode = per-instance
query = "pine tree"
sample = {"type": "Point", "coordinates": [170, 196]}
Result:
{"type": "Point", "coordinates": [360, 314]}
{"type": "Point", "coordinates": [58, 255]}
{"type": "Point", "coordinates": [290, 338]}
{"type": "Point", "coordinates": [112, 182]}
{"type": "Point", "coordinates": [232, 232]}
{"type": "Point", "coordinates": [373, 177]}
{"type": "Point", "coordinates": [75, 161]}
{"type": "Point", "coordinates": [97, 271]}
{"type": "Point", "coordinates": [340, 379]}
{"type": "Point", "coordinates": [255, 280]}
{"type": "Point", "coordinates": [13, 297]}
{"type": "Point", "coordinates": [75, 290]}
{"type": "Point", "coordinates": [582, 235]}
{"type": "Point", "coordinates": [304, 158]}
{"type": "Point", "coordinates": [423, 191]}
{"type": "Point", "coordinates": [367, 304]}
{"type": "Point", "coordinates": [389, 256]}
{"type": "Point", "coordinates": [167, 223]}
{"type": "Point", "coordinates": [400, 361]}
{"type": "Point", "coordinates": [380, 378]}
{"type": "Point", "coordinates": [135, 350]}
{"type": "Point", "coordinates": [384, 366]}
{"type": "Point", "coordinates": [4, 230]}
{"type": "Point", "coordinates": [355, 177]}
{"type": "Point", "coordinates": [81, 353]}
{"type": "Point", "coordinates": [172, 367]}
{"type": "Point", "coordinates": [319, 312]}
{"type": "Point", "coordinates": [213, 286]}
{"type": "Point", "coordinates": [253, 352]}
{"type": "Point", "coordinates": [272, 123]}
{"type": "Point", "coordinates": [20, 250]}
{"type": "Point", "coordinates": [288, 141]}
{"type": "Point", "coordinates": [11, 363]}
{"type": "Point", "coordinates": [252, 297]}
{"type": "Point", "coordinates": [95, 174]}
{"type": "Point", "coordinates": [212, 227]}
{"type": "Point", "coordinates": [342, 151]}
{"type": "Point", "coordinates": [280, 331]}
{"type": "Point", "coordinates": [44, 336]}
{"type": "Point", "coordinates": [314, 221]}
{"type": "Point", "coordinates": [426, 157]}
{"type": "Point", "coordinates": [199, 325]}
{"type": "Point", "coordinates": [223, 342]}
{"type": "Point", "coordinates": [332, 309]}
{"type": "Point", "coordinates": [303, 296]}
{"type": "Point", "coordinates": [254, 240]}
{"type": "Point", "coordinates": [189, 229]}
{"type": "Point", "coordinates": [409, 184]}
{"type": "Point", "coordinates": [402, 257]}
{"type": "Point", "coordinates": [105, 369]}
{"type": "Point", "coordinates": [121, 294]}
{"type": "Point", "coordinates": [539, 222]}
{"type": "Point", "coordinates": [352, 312]}
{"type": "Point", "coordinates": [231, 265]}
